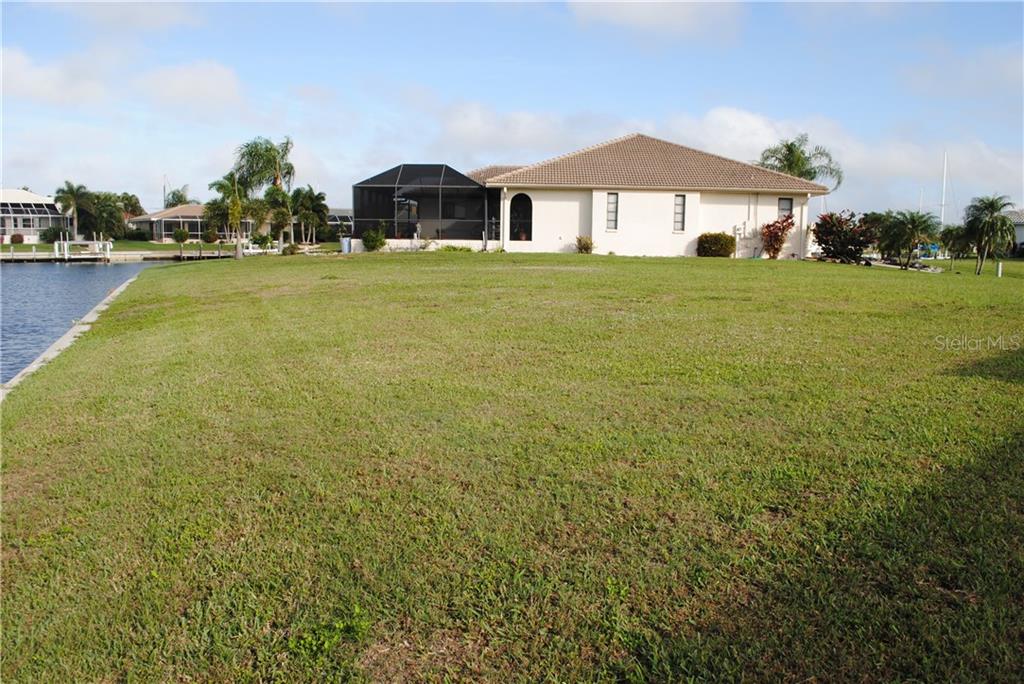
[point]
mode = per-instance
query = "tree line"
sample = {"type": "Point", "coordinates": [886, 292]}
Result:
{"type": "Point", "coordinates": [95, 212]}
{"type": "Point", "coordinates": [258, 189]}
{"type": "Point", "coordinates": [985, 232]}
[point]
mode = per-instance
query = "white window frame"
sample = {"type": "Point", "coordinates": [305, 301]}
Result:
{"type": "Point", "coordinates": [679, 214]}
{"type": "Point", "coordinates": [611, 224]}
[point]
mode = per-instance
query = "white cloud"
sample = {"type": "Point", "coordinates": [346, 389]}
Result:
{"type": "Point", "coordinates": [72, 80]}
{"type": "Point", "coordinates": [194, 89]}
{"type": "Point", "coordinates": [985, 82]}
{"type": "Point", "coordinates": [121, 17]}
{"type": "Point", "coordinates": [886, 172]}
{"type": "Point", "coordinates": [711, 21]}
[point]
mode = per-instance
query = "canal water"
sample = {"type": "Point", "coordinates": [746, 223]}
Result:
{"type": "Point", "coordinates": [40, 302]}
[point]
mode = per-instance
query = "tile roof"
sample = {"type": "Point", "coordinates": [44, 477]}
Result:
{"type": "Point", "coordinates": [182, 211]}
{"type": "Point", "coordinates": [1016, 215]}
{"type": "Point", "coordinates": [485, 173]}
{"type": "Point", "coordinates": [640, 161]}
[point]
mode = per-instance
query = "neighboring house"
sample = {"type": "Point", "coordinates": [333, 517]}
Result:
{"type": "Point", "coordinates": [160, 225]}
{"type": "Point", "coordinates": [635, 195]}
{"type": "Point", "coordinates": [1017, 216]}
{"type": "Point", "coordinates": [28, 214]}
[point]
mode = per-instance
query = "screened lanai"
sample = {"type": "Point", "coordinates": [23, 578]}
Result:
{"type": "Point", "coordinates": [429, 201]}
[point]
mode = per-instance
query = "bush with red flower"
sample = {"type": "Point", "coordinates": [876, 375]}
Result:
{"type": "Point", "coordinates": [840, 236]}
{"type": "Point", "coordinates": [773, 235]}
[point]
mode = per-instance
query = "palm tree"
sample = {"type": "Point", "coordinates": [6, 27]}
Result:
{"type": "Point", "coordinates": [235, 222]}
{"type": "Point", "coordinates": [260, 162]}
{"type": "Point", "coordinates": [280, 204]}
{"type": "Point", "coordinates": [988, 226]}
{"type": "Point", "coordinates": [225, 187]}
{"type": "Point", "coordinates": [256, 210]}
{"type": "Point", "coordinates": [792, 157]}
{"type": "Point", "coordinates": [177, 197]}
{"type": "Point", "coordinates": [903, 231]}
{"type": "Point", "coordinates": [74, 198]}
{"type": "Point", "coordinates": [955, 241]}
{"type": "Point", "coordinates": [310, 208]}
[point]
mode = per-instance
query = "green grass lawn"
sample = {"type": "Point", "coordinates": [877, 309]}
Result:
{"type": "Point", "coordinates": [497, 467]}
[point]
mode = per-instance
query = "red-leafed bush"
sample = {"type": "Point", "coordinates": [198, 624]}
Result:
{"type": "Point", "coordinates": [773, 235]}
{"type": "Point", "coordinates": [17, 239]}
{"type": "Point", "coordinates": [842, 237]}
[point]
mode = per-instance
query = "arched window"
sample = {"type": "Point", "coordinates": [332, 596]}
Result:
{"type": "Point", "coordinates": [521, 218]}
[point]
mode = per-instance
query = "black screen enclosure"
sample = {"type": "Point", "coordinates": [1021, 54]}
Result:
{"type": "Point", "coordinates": [433, 199]}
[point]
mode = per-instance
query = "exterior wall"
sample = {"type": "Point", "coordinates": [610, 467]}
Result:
{"type": "Point", "coordinates": [427, 245]}
{"type": "Point", "coordinates": [742, 215]}
{"type": "Point", "coordinates": [645, 221]}
{"type": "Point", "coordinates": [559, 216]}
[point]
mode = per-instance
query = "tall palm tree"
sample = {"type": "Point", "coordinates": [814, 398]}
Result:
{"type": "Point", "coordinates": [903, 231]}
{"type": "Point", "coordinates": [261, 162]}
{"type": "Point", "coordinates": [310, 208]}
{"type": "Point", "coordinates": [794, 158]}
{"type": "Point", "coordinates": [74, 198]}
{"type": "Point", "coordinates": [177, 197]}
{"type": "Point", "coordinates": [225, 187]}
{"type": "Point", "coordinates": [235, 222]}
{"type": "Point", "coordinates": [988, 226]}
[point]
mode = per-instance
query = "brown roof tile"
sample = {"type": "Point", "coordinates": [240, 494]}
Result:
{"type": "Point", "coordinates": [182, 211]}
{"type": "Point", "coordinates": [485, 173]}
{"type": "Point", "coordinates": [640, 161]}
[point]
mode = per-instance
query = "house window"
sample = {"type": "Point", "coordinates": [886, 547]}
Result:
{"type": "Point", "coordinates": [785, 207]}
{"type": "Point", "coordinates": [613, 211]}
{"type": "Point", "coordinates": [679, 217]}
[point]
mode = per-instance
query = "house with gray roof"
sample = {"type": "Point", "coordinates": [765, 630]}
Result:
{"type": "Point", "coordinates": [635, 195]}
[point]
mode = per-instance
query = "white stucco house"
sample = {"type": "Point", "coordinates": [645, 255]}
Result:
{"type": "Point", "coordinates": [28, 214]}
{"type": "Point", "coordinates": [635, 195]}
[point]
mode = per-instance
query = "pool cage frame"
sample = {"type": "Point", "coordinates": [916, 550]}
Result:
{"type": "Point", "coordinates": [426, 202]}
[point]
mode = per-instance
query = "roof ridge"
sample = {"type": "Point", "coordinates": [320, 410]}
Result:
{"type": "Point", "coordinates": [567, 155]}
{"type": "Point", "coordinates": [729, 159]}
{"type": "Point", "coordinates": [491, 166]}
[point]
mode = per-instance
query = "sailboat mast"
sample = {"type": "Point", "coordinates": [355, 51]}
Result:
{"type": "Point", "coordinates": [942, 206]}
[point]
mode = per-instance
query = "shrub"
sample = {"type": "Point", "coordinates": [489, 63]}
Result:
{"type": "Point", "coordinates": [373, 239]}
{"type": "Point", "coordinates": [290, 249]}
{"type": "Point", "coordinates": [716, 245]}
{"type": "Point", "coordinates": [210, 236]}
{"type": "Point", "coordinates": [180, 235]}
{"type": "Point", "coordinates": [584, 244]}
{"type": "Point", "coordinates": [262, 240]}
{"type": "Point", "coordinates": [454, 248]}
{"type": "Point", "coordinates": [17, 239]}
{"type": "Point", "coordinates": [138, 235]}
{"type": "Point", "coordinates": [773, 235]}
{"type": "Point", "coordinates": [51, 234]}
{"type": "Point", "coordinates": [842, 237]}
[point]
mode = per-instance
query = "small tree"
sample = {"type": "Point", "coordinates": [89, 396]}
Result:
{"type": "Point", "coordinates": [235, 222]}
{"type": "Point", "coordinates": [773, 235]}
{"type": "Point", "coordinates": [904, 231]}
{"type": "Point", "coordinates": [374, 238]}
{"type": "Point", "coordinates": [956, 242]}
{"type": "Point", "coordinates": [842, 237]}
{"type": "Point", "coordinates": [988, 227]}
{"type": "Point", "coordinates": [181, 237]}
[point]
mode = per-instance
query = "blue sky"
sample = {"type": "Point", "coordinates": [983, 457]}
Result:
{"type": "Point", "coordinates": [118, 96]}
